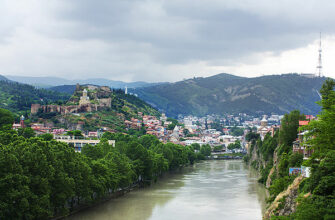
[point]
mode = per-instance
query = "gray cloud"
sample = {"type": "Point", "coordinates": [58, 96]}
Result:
{"type": "Point", "coordinates": [152, 40]}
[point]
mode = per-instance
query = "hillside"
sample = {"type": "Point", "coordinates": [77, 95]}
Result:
{"type": "Point", "coordinates": [18, 97]}
{"type": "Point", "coordinates": [46, 82]}
{"type": "Point", "coordinates": [91, 107]}
{"type": "Point", "coordinates": [64, 88]}
{"type": "Point", "coordinates": [227, 93]}
{"type": "Point", "coordinates": [296, 163]}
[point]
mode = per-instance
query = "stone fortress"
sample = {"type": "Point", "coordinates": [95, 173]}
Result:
{"type": "Point", "coordinates": [92, 98]}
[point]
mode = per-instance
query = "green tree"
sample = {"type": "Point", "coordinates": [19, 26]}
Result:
{"type": "Point", "coordinates": [148, 140]}
{"type": "Point", "coordinates": [236, 131]}
{"type": "Point", "coordinates": [322, 131]}
{"type": "Point", "coordinates": [196, 146]}
{"type": "Point", "coordinates": [289, 127]}
{"type": "Point", "coordinates": [93, 152]}
{"type": "Point", "coordinates": [252, 136]}
{"type": "Point", "coordinates": [76, 133]}
{"type": "Point", "coordinates": [218, 148]}
{"type": "Point", "coordinates": [47, 137]}
{"type": "Point", "coordinates": [205, 150]}
{"type": "Point", "coordinates": [26, 132]}
{"type": "Point", "coordinates": [186, 131]}
{"type": "Point", "coordinates": [295, 160]}
{"type": "Point", "coordinates": [235, 145]}
{"type": "Point", "coordinates": [171, 126]}
{"type": "Point", "coordinates": [6, 118]}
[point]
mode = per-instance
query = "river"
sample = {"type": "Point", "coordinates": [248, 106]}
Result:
{"type": "Point", "coordinates": [219, 189]}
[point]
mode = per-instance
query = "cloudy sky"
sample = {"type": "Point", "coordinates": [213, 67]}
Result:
{"type": "Point", "coordinates": [157, 40]}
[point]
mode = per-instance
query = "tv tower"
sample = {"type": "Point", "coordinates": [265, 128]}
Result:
{"type": "Point", "coordinates": [319, 67]}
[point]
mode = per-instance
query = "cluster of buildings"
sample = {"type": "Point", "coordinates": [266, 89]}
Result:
{"type": "Point", "coordinates": [211, 129]}
{"type": "Point", "coordinates": [60, 134]}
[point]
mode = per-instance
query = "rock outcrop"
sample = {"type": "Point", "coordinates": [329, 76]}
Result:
{"type": "Point", "coordinates": [285, 203]}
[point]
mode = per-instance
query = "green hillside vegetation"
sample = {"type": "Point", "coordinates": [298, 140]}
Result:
{"type": "Point", "coordinates": [232, 94]}
{"type": "Point", "coordinates": [42, 178]}
{"type": "Point", "coordinates": [316, 194]}
{"type": "Point", "coordinates": [64, 88]}
{"type": "Point", "coordinates": [18, 97]}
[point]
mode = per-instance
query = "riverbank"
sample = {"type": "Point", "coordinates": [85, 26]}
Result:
{"type": "Point", "coordinates": [121, 193]}
{"type": "Point", "coordinates": [114, 195]}
{"type": "Point", "coordinates": [213, 189]}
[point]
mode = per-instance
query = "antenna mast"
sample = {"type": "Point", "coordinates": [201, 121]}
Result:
{"type": "Point", "coordinates": [319, 67]}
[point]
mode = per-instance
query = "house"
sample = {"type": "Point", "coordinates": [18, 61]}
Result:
{"type": "Point", "coordinates": [78, 144]}
{"type": "Point", "coordinates": [299, 145]}
{"type": "Point", "coordinates": [92, 134]}
{"type": "Point", "coordinates": [40, 128]}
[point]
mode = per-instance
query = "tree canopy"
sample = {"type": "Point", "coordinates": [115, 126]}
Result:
{"type": "Point", "coordinates": [322, 131]}
{"type": "Point", "coordinates": [41, 178]}
{"type": "Point", "coordinates": [6, 118]}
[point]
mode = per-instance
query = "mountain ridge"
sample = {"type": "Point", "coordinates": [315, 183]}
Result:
{"type": "Point", "coordinates": [46, 82]}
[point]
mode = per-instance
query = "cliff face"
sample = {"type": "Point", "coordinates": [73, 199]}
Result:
{"type": "Point", "coordinates": [273, 170]}
{"type": "Point", "coordinates": [285, 203]}
{"type": "Point", "coordinates": [272, 166]}
{"type": "Point", "coordinates": [269, 180]}
{"type": "Point", "coordinates": [256, 160]}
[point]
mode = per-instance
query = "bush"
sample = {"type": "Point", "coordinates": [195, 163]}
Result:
{"type": "Point", "coordinates": [295, 160]}
{"type": "Point", "coordinates": [278, 186]}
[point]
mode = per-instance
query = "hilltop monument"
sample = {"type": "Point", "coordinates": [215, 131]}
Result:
{"type": "Point", "coordinates": [83, 100]}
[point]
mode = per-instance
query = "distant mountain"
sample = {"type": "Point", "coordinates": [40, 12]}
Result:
{"type": "Point", "coordinates": [232, 94]}
{"type": "Point", "coordinates": [2, 78]}
{"type": "Point", "coordinates": [18, 97]}
{"type": "Point", "coordinates": [64, 88]}
{"type": "Point", "coordinates": [45, 82]}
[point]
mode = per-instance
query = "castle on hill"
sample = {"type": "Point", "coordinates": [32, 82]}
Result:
{"type": "Point", "coordinates": [92, 98]}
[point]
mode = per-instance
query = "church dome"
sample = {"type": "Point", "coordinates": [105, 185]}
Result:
{"type": "Point", "coordinates": [264, 122]}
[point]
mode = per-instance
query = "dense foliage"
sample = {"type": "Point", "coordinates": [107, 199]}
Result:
{"type": "Point", "coordinates": [321, 203]}
{"type": "Point", "coordinates": [235, 145]}
{"type": "Point", "coordinates": [316, 195]}
{"type": "Point", "coordinates": [281, 146]}
{"type": "Point", "coordinates": [41, 178]}
{"type": "Point", "coordinates": [19, 97]}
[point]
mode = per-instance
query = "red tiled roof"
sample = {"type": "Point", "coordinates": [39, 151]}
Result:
{"type": "Point", "coordinates": [301, 123]}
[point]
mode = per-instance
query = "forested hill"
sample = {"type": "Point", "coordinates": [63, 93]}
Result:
{"type": "Point", "coordinates": [63, 88]}
{"type": "Point", "coordinates": [228, 93]}
{"type": "Point", "coordinates": [18, 97]}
